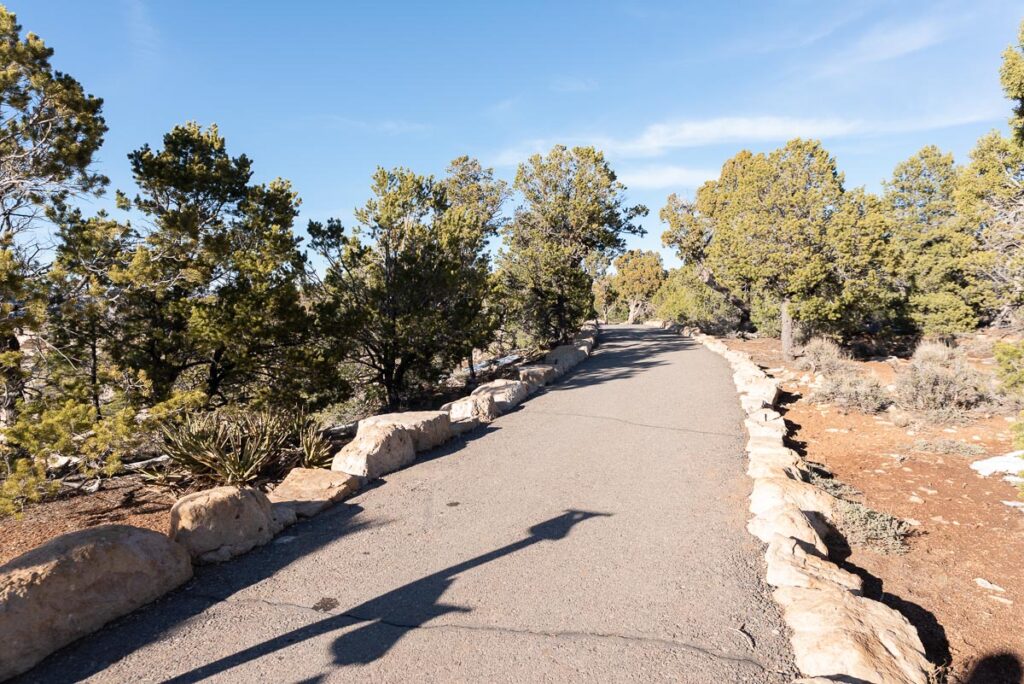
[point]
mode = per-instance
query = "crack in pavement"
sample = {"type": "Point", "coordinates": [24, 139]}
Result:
{"type": "Point", "coordinates": [635, 424]}
{"type": "Point", "coordinates": [553, 634]}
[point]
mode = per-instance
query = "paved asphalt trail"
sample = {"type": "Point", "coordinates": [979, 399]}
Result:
{"type": "Point", "coordinates": [595, 534]}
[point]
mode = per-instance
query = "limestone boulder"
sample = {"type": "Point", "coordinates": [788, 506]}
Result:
{"type": "Point", "coordinates": [762, 469]}
{"type": "Point", "coordinates": [787, 521]}
{"type": "Point", "coordinates": [775, 455]}
{"type": "Point", "coordinates": [375, 451]}
{"type": "Point", "coordinates": [77, 582]}
{"type": "Point", "coordinates": [427, 429]}
{"type": "Point", "coordinates": [836, 632]}
{"type": "Point", "coordinates": [479, 407]}
{"type": "Point", "coordinates": [507, 394]}
{"type": "Point", "coordinates": [774, 429]}
{"type": "Point", "coordinates": [538, 375]}
{"type": "Point", "coordinates": [461, 427]}
{"type": "Point", "coordinates": [220, 523]}
{"type": "Point", "coordinates": [772, 493]}
{"type": "Point", "coordinates": [308, 491]}
{"type": "Point", "coordinates": [564, 358]}
{"type": "Point", "coordinates": [791, 565]}
{"type": "Point", "coordinates": [759, 395]}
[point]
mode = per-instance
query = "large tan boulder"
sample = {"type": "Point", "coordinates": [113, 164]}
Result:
{"type": "Point", "coordinates": [776, 455]}
{"type": "Point", "coordinates": [791, 565]}
{"type": "Point", "coordinates": [772, 493]}
{"type": "Point", "coordinates": [375, 451]}
{"type": "Point", "coordinates": [308, 491]}
{"type": "Point", "coordinates": [428, 429]}
{"type": "Point", "coordinates": [479, 407]}
{"type": "Point", "coordinates": [771, 429]}
{"type": "Point", "coordinates": [507, 394]}
{"type": "Point", "coordinates": [77, 582]}
{"type": "Point", "coordinates": [538, 375]}
{"type": "Point", "coordinates": [836, 632]}
{"type": "Point", "coordinates": [788, 521]}
{"type": "Point", "coordinates": [221, 523]}
{"type": "Point", "coordinates": [757, 469]}
{"type": "Point", "coordinates": [564, 357]}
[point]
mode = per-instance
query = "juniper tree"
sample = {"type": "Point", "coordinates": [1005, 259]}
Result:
{"type": "Point", "coordinates": [990, 197]}
{"type": "Point", "coordinates": [778, 228]}
{"type": "Point", "coordinates": [402, 293]}
{"type": "Point", "coordinates": [940, 255]}
{"type": "Point", "coordinates": [51, 130]}
{"type": "Point", "coordinates": [638, 275]}
{"type": "Point", "coordinates": [574, 206]}
{"type": "Point", "coordinates": [210, 297]}
{"type": "Point", "coordinates": [472, 189]}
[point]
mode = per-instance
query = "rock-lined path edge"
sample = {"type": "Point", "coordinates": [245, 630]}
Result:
{"type": "Point", "coordinates": [838, 635]}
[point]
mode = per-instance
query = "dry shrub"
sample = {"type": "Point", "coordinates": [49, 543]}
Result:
{"type": "Point", "coordinates": [863, 526]}
{"type": "Point", "coordinates": [858, 524]}
{"type": "Point", "coordinates": [939, 383]}
{"type": "Point", "coordinates": [949, 447]}
{"type": "Point", "coordinates": [822, 356]}
{"type": "Point", "coordinates": [848, 390]}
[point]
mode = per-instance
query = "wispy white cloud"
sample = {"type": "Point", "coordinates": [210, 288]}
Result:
{"type": "Point", "coordinates": [573, 85]}
{"type": "Point", "coordinates": [659, 176]}
{"type": "Point", "coordinates": [381, 126]}
{"type": "Point", "coordinates": [660, 138]}
{"type": "Point", "coordinates": [142, 32]}
{"type": "Point", "coordinates": [885, 42]}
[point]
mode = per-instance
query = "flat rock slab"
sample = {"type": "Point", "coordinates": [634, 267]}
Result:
{"type": "Point", "coordinates": [309, 491]}
{"type": "Point", "coordinates": [596, 535]}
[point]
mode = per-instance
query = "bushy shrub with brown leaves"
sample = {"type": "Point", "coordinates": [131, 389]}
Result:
{"type": "Point", "coordinates": [822, 356]}
{"type": "Point", "coordinates": [848, 390]}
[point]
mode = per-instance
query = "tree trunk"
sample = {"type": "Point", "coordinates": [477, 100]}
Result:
{"type": "Point", "coordinates": [472, 371]}
{"type": "Point", "coordinates": [94, 371]}
{"type": "Point", "coordinates": [13, 382]}
{"type": "Point", "coordinates": [632, 313]}
{"type": "Point", "coordinates": [786, 320]}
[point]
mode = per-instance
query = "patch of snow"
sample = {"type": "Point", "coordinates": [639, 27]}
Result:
{"type": "Point", "coordinates": [1012, 463]}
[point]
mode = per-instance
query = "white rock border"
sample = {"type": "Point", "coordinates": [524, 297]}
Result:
{"type": "Point", "coordinates": [838, 635]}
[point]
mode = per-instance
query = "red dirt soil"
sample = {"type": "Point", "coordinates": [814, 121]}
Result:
{"type": "Point", "coordinates": [962, 529]}
{"type": "Point", "coordinates": [122, 501]}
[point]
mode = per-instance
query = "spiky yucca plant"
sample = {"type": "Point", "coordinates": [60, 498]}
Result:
{"type": "Point", "coordinates": [228, 448]}
{"type": "Point", "coordinates": [316, 449]}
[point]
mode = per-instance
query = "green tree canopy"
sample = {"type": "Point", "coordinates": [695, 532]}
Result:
{"type": "Point", "coordinates": [210, 297]}
{"type": "Point", "coordinates": [638, 275]}
{"type": "Point", "coordinates": [404, 289]}
{"type": "Point", "coordinates": [574, 206]}
{"type": "Point", "coordinates": [778, 229]}
{"type": "Point", "coordinates": [49, 131]}
{"type": "Point", "coordinates": [939, 254]}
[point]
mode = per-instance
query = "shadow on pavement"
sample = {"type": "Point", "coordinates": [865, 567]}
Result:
{"type": "Point", "coordinates": [623, 353]}
{"type": "Point", "coordinates": [385, 619]}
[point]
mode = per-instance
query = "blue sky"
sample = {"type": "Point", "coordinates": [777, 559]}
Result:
{"type": "Point", "coordinates": [321, 93]}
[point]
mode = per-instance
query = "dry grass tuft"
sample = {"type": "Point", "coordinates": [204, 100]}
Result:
{"type": "Point", "coordinates": [940, 384]}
